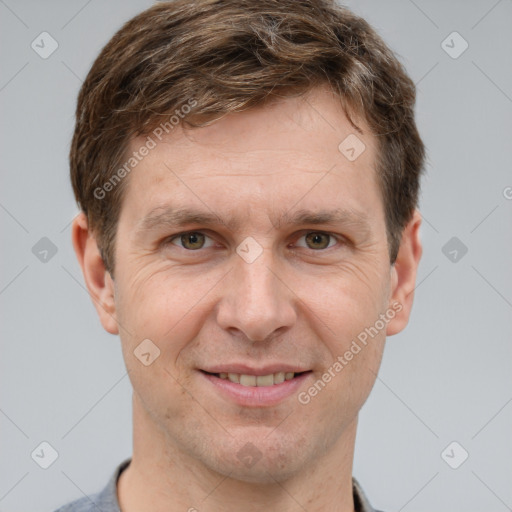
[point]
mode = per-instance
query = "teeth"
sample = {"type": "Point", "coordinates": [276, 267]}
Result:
{"type": "Point", "coordinates": [248, 380]}
{"type": "Point", "coordinates": [264, 380]}
{"type": "Point", "coordinates": [279, 377]}
{"type": "Point", "coordinates": [260, 380]}
{"type": "Point", "coordinates": [234, 377]}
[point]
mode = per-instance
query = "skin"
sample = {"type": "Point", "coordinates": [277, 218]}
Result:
{"type": "Point", "coordinates": [299, 302]}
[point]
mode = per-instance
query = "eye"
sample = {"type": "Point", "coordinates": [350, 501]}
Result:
{"type": "Point", "coordinates": [317, 240]}
{"type": "Point", "coordinates": [191, 240]}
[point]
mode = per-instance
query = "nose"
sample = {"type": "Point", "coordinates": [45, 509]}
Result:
{"type": "Point", "coordinates": [256, 300]}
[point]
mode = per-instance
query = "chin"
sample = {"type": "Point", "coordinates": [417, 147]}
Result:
{"type": "Point", "coordinates": [264, 472]}
{"type": "Point", "coordinates": [262, 461]}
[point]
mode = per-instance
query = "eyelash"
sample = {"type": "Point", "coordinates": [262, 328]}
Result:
{"type": "Point", "coordinates": [339, 239]}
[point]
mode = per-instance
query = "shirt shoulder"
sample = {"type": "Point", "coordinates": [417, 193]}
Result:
{"type": "Point", "coordinates": [361, 502]}
{"type": "Point", "coordinates": [106, 500]}
{"type": "Point", "coordinates": [85, 504]}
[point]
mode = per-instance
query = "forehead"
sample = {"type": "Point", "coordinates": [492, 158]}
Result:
{"type": "Point", "coordinates": [297, 152]}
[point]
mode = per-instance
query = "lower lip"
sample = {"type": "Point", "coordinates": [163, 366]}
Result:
{"type": "Point", "coordinates": [257, 396]}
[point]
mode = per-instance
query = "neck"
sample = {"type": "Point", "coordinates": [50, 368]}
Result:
{"type": "Point", "coordinates": [161, 477]}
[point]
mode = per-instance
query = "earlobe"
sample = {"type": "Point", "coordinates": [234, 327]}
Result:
{"type": "Point", "coordinates": [403, 275]}
{"type": "Point", "coordinates": [98, 281]}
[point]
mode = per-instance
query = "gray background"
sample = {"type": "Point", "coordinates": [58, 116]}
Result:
{"type": "Point", "coordinates": [445, 378]}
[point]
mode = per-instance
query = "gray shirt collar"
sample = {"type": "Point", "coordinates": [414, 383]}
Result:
{"type": "Point", "coordinates": [106, 500]}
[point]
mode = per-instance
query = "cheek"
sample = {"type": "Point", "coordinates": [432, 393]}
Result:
{"type": "Point", "coordinates": [347, 301]}
{"type": "Point", "coordinates": [347, 380]}
{"type": "Point", "coordinates": [349, 306]}
{"type": "Point", "coordinates": [159, 316]}
{"type": "Point", "coordinates": [164, 307]}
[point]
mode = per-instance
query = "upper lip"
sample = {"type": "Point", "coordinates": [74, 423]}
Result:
{"type": "Point", "coordinates": [245, 369]}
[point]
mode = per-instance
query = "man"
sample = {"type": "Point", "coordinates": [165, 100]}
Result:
{"type": "Point", "coordinates": [248, 175]}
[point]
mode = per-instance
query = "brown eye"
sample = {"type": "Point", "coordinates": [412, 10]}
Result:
{"type": "Point", "coordinates": [317, 240]}
{"type": "Point", "coordinates": [192, 240]}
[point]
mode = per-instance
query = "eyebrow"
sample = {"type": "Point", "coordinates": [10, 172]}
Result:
{"type": "Point", "coordinates": [174, 217]}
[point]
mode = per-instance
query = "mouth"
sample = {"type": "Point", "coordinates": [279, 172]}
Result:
{"type": "Point", "coordinates": [271, 379]}
{"type": "Point", "coordinates": [255, 391]}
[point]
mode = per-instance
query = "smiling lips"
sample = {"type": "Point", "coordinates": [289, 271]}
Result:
{"type": "Point", "coordinates": [259, 388]}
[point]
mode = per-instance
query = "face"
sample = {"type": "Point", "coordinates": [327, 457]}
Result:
{"type": "Point", "coordinates": [254, 246]}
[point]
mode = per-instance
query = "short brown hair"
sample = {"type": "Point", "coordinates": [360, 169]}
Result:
{"type": "Point", "coordinates": [229, 56]}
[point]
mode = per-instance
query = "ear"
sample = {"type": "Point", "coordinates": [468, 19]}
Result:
{"type": "Point", "coordinates": [403, 275]}
{"type": "Point", "coordinates": [97, 279]}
